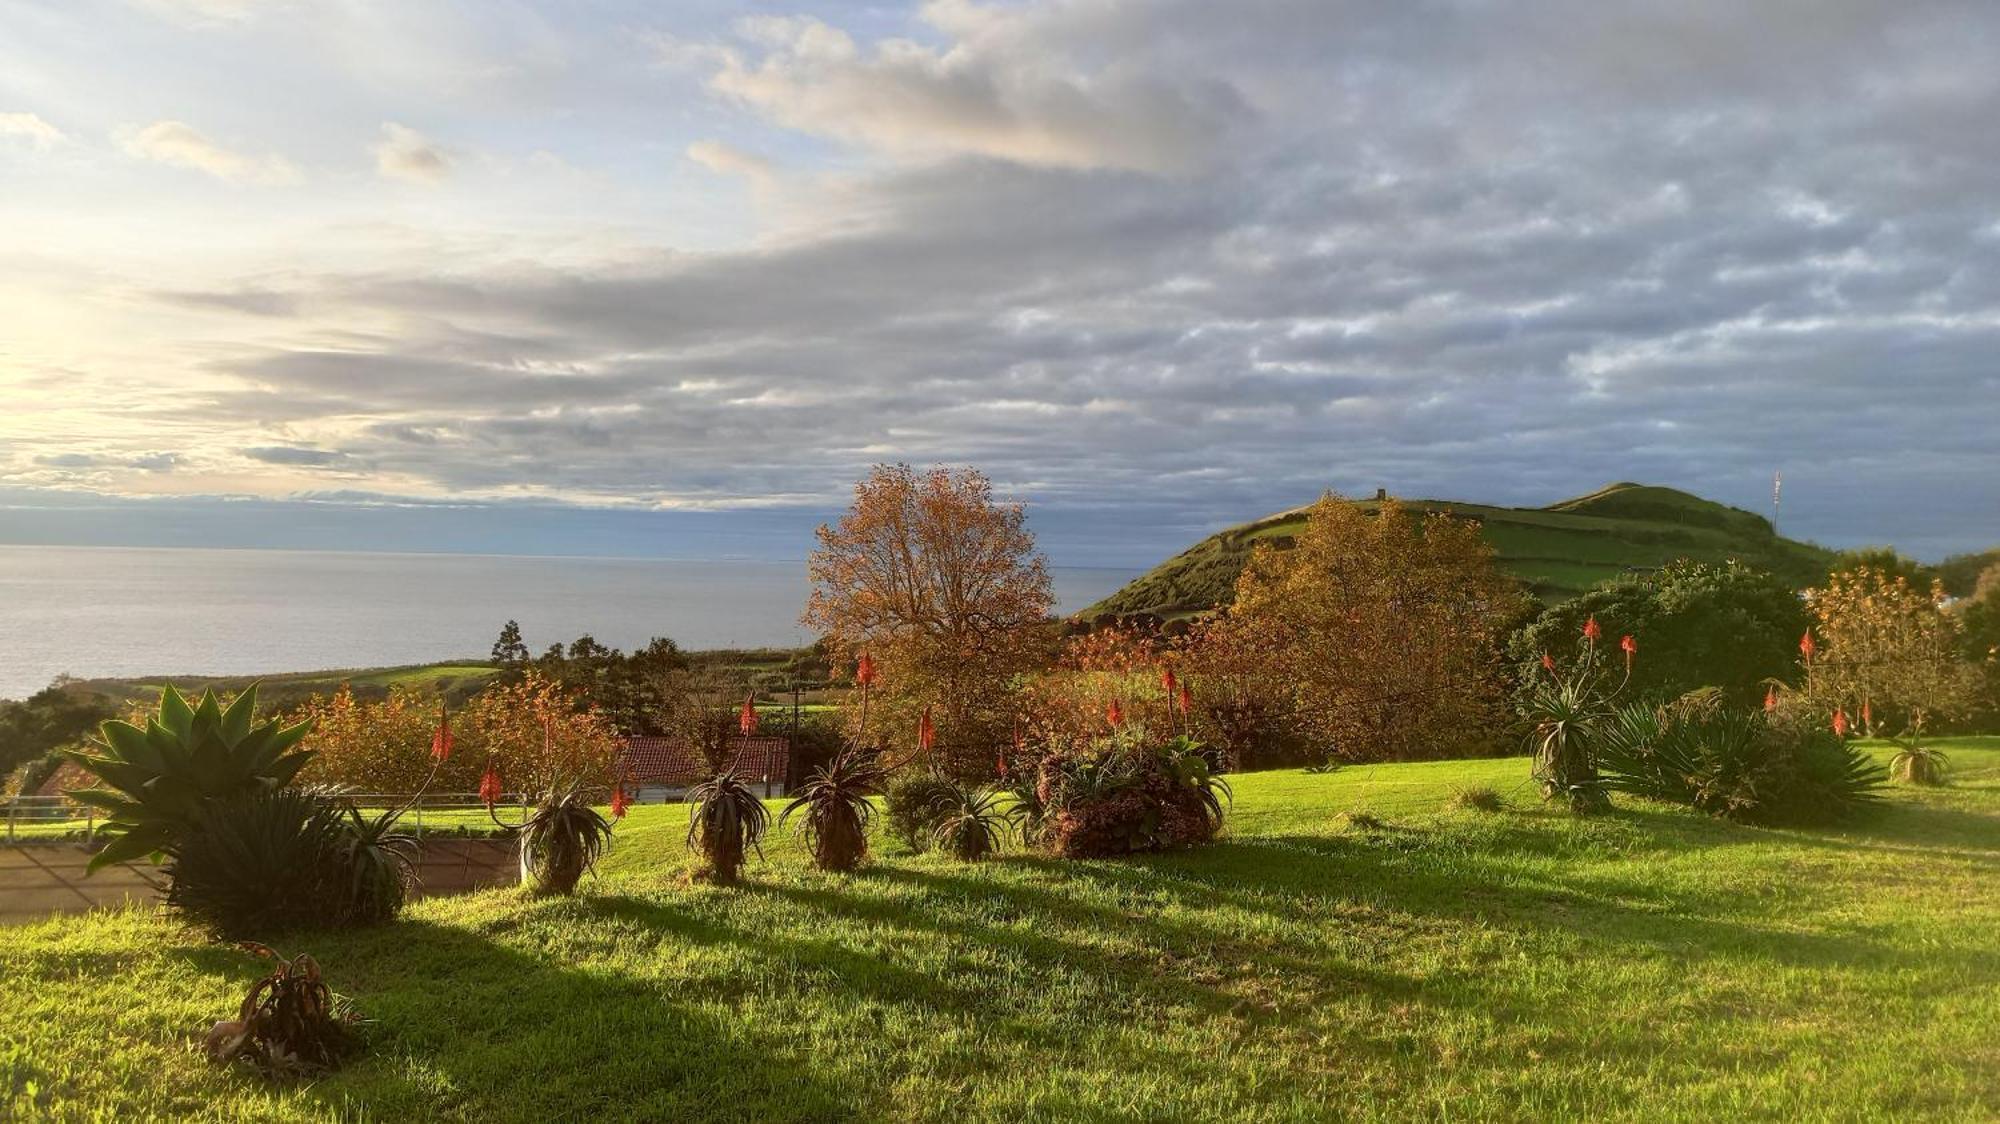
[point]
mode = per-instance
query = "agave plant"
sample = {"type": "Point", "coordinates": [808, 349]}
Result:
{"type": "Point", "coordinates": [1919, 764]}
{"type": "Point", "coordinates": [289, 1023]}
{"type": "Point", "coordinates": [158, 781]}
{"type": "Point", "coordinates": [1189, 763]}
{"type": "Point", "coordinates": [726, 821]}
{"type": "Point", "coordinates": [972, 824]}
{"type": "Point", "coordinates": [837, 810]}
{"type": "Point", "coordinates": [561, 841]}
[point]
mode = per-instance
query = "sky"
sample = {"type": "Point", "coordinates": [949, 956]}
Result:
{"type": "Point", "coordinates": [622, 277]}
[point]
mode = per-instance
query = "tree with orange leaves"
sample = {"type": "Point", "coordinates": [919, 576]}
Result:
{"type": "Point", "coordinates": [942, 586]}
{"type": "Point", "coordinates": [1387, 627]}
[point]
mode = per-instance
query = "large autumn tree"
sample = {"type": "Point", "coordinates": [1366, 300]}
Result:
{"type": "Point", "coordinates": [1387, 627]}
{"type": "Point", "coordinates": [942, 586]}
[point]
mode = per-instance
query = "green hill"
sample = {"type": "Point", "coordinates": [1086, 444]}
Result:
{"type": "Point", "coordinates": [1558, 551]}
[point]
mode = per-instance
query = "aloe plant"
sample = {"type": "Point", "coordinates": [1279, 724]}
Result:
{"type": "Point", "coordinates": [158, 781]}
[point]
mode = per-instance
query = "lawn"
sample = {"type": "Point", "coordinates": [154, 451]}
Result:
{"type": "Point", "coordinates": [1649, 964]}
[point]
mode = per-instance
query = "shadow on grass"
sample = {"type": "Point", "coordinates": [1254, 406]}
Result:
{"type": "Point", "coordinates": [462, 1026]}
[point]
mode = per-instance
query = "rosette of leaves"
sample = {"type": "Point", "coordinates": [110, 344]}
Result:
{"type": "Point", "coordinates": [837, 807]}
{"type": "Point", "coordinates": [562, 840]}
{"type": "Point", "coordinates": [971, 824]}
{"type": "Point", "coordinates": [289, 1024]}
{"type": "Point", "coordinates": [726, 821]}
{"type": "Point", "coordinates": [159, 780]}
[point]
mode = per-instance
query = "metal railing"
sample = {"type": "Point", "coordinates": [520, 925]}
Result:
{"type": "Point", "coordinates": [47, 817]}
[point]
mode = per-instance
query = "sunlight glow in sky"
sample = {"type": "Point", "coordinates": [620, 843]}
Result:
{"type": "Point", "coordinates": [1155, 266]}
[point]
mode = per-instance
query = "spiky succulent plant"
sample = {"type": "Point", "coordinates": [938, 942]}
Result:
{"type": "Point", "coordinates": [159, 781]}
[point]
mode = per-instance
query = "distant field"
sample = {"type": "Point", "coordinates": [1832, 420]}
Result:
{"type": "Point", "coordinates": [1650, 964]}
{"type": "Point", "coordinates": [1557, 551]}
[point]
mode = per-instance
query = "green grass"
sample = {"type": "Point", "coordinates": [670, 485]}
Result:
{"type": "Point", "coordinates": [1557, 551]}
{"type": "Point", "coordinates": [1647, 965]}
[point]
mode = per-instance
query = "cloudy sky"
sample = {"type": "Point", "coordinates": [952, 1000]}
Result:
{"type": "Point", "coordinates": [667, 278]}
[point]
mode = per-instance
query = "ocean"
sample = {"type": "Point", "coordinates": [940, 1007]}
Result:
{"type": "Point", "coordinates": [109, 611]}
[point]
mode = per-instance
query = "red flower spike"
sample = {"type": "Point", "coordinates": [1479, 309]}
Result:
{"type": "Point", "coordinates": [1840, 723]}
{"type": "Point", "coordinates": [1186, 699]}
{"type": "Point", "coordinates": [619, 802]}
{"type": "Point", "coordinates": [864, 670]}
{"type": "Point", "coordinates": [1867, 714]}
{"type": "Point", "coordinates": [1770, 699]}
{"type": "Point", "coordinates": [1630, 647]}
{"type": "Point", "coordinates": [1806, 646]}
{"type": "Point", "coordinates": [489, 786]}
{"type": "Point", "coordinates": [441, 741]}
{"type": "Point", "coordinates": [1168, 682]}
{"type": "Point", "coordinates": [926, 731]}
{"type": "Point", "coordinates": [1548, 663]}
{"type": "Point", "coordinates": [747, 720]}
{"type": "Point", "coordinates": [1591, 630]}
{"type": "Point", "coordinates": [1114, 714]}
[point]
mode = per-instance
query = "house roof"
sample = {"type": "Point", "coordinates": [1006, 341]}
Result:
{"type": "Point", "coordinates": [671, 761]}
{"type": "Point", "coordinates": [68, 775]}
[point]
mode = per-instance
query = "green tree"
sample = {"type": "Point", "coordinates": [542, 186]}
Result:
{"type": "Point", "coordinates": [55, 717]}
{"type": "Point", "coordinates": [509, 651]}
{"type": "Point", "coordinates": [1700, 624]}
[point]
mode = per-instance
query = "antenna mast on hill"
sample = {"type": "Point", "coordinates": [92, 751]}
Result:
{"type": "Point", "coordinates": [1777, 492]}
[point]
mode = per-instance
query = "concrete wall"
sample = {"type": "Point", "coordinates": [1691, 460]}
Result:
{"type": "Point", "coordinates": [38, 880]}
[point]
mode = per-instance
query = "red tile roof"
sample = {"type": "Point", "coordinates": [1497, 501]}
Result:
{"type": "Point", "coordinates": [68, 775]}
{"type": "Point", "coordinates": [670, 761]}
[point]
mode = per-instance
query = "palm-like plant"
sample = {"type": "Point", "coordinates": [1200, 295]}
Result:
{"type": "Point", "coordinates": [561, 841]}
{"type": "Point", "coordinates": [158, 781]}
{"type": "Point", "coordinates": [836, 802]}
{"type": "Point", "coordinates": [726, 821]}
{"type": "Point", "coordinates": [1918, 764]}
{"type": "Point", "coordinates": [972, 824]}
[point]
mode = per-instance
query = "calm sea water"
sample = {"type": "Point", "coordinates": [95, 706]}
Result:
{"type": "Point", "coordinates": [92, 611]}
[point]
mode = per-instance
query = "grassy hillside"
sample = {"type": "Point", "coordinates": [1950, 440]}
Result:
{"type": "Point", "coordinates": [1558, 551]}
{"type": "Point", "coordinates": [1648, 965]}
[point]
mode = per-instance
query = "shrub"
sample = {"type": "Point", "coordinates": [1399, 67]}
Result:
{"type": "Point", "coordinates": [915, 803]}
{"type": "Point", "coordinates": [561, 841]}
{"type": "Point", "coordinates": [1704, 624]}
{"type": "Point", "coordinates": [1735, 764]}
{"type": "Point", "coordinates": [1482, 799]}
{"type": "Point", "coordinates": [725, 822]}
{"type": "Point", "coordinates": [530, 730]}
{"type": "Point", "coordinates": [1126, 795]}
{"type": "Point", "coordinates": [837, 810]}
{"type": "Point", "coordinates": [290, 1022]}
{"type": "Point", "coordinates": [289, 858]}
{"type": "Point", "coordinates": [970, 824]}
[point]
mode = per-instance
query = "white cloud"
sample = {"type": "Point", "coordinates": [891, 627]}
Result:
{"type": "Point", "coordinates": [31, 128]}
{"type": "Point", "coordinates": [405, 154]}
{"type": "Point", "coordinates": [727, 160]}
{"type": "Point", "coordinates": [184, 146]}
{"type": "Point", "coordinates": [988, 94]}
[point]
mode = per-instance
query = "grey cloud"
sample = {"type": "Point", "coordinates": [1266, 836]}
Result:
{"type": "Point", "coordinates": [1450, 250]}
{"type": "Point", "coordinates": [293, 455]}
